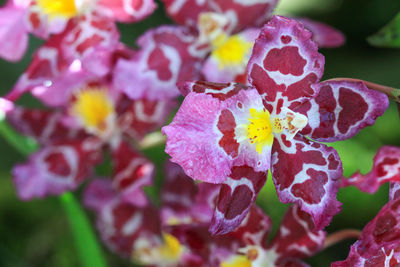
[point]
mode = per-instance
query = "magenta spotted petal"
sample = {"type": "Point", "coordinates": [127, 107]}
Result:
{"type": "Point", "coordinates": [131, 171]}
{"type": "Point", "coordinates": [123, 226]}
{"type": "Point", "coordinates": [184, 202]}
{"type": "Point", "coordinates": [341, 109]}
{"type": "Point", "coordinates": [297, 238]}
{"type": "Point", "coordinates": [323, 34]}
{"type": "Point", "coordinates": [238, 193]}
{"type": "Point", "coordinates": [242, 14]}
{"type": "Point", "coordinates": [386, 168]}
{"type": "Point", "coordinates": [307, 173]}
{"type": "Point", "coordinates": [285, 64]}
{"type": "Point", "coordinates": [126, 10]}
{"type": "Point", "coordinates": [167, 55]}
{"type": "Point", "coordinates": [57, 65]}
{"type": "Point", "coordinates": [379, 244]}
{"type": "Point", "coordinates": [42, 125]}
{"type": "Point", "coordinates": [394, 191]}
{"type": "Point", "coordinates": [139, 117]}
{"type": "Point", "coordinates": [192, 140]}
{"type": "Point", "coordinates": [55, 169]}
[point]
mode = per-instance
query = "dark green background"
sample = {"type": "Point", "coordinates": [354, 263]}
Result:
{"type": "Point", "coordinates": [36, 233]}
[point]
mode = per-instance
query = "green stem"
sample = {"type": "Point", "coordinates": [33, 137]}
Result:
{"type": "Point", "coordinates": [86, 242]}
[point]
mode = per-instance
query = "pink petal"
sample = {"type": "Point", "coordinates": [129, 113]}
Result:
{"type": "Point", "coordinates": [55, 169]}
{"type": "Point", "coordinates": [307, 173]}
{"type": "Point", "coordinates": [13, 33]}
{"type": "Point", "coordinates": [131, 172]}
{"type": "Point", "coordinates": [185, 201]}
{"type": "Point", "coordinates": [122, 225]}
{"type": "Point", "coordinates": [139, 117]}
{"type": "Point", "coordinates": [394, 190]}
{"type": "Point", "coordinates": [98, 194]}
{"type": "Point", "coordinates": [386, 168]}
{"type": "Point", "coordinates": [344, 108]}
{"type": "Point", "coordinates": [323, 34]}
{"type": "Point", "coordinates": [192, 139]}
{"type": "Point", "coordinates": [238, 193]}
{"type": "Point", "coordinates": [254, 229]}
{"type": "Point", "coordinates": [246, 13]}
{"type": "Point", "coordinates": [379, 242]}
{"type": "Point", "coordinates": [221, 91]}
{"type": "Point", "coordinates": [297, 237]}
{"type": "Point", "coordinates": [126, 11]}
{"type": "Point", "coordinates": [285, 63]}
{"type": "Point", "coordinates": [242, 14]}
{"type": "Point", "coordinates": [45, 126]}
{"type": "Point", "coordinates": [56, 68]}
{"type": "Point", "coordinates": [167, 55]}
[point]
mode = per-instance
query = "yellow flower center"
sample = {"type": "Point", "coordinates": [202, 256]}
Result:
{"type": "Point", "coordinates": [259, 130]}
{"type": "Point", "coordinates": [231, 51]}
{"type": "Point", "coordinates": [58, 8]}
{"type": "Point", "coordinates": [237, 261]}
{"type": "Point", "coordinates": [93, 107]}
{"type": "Point", "coordinates": [171, 250]}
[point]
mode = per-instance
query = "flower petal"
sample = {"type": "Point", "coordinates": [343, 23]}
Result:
{"type": "Point", "coordinates": [184, 202]}
{"type": "Point", "coordinates": [221, 91]}
{"type": "Point", "coordinates": [341, 109]}
{"type": "Point", "coordinates": [45, 126]}
{"type": "Point", "coordinates": [285, 63]}
{"type": "Point", "coordinates": [242, 14]}
{"type": "Point", "coordinates": [297, 237]}
{"type": "Point", "coordinates": [216, 71]}
{"type": "Point", "coordinates": [307, 173]}
{"type": "Point", "coordinates": [56, 168]}
{"type": "Point", "coordinates": [379, 242]}
{"type": "Point", "coordinates": [167, 55]}
{"type": "Point", "coordinates": [131, 172]}
{"type": "Point", "coordinates": [56, 67]}
{"type": "Point", "coordinates": [323, 34]}
{"type": "Point", "coordinates": [122, 226]}
{"type": "Point", "coordinates": [394, 190]}
{"type": "Point", "coordinates": [386, 168]}
{"type": "Point", "coordinates": [192, 139]}
{"type": "Point", "coordinates": [13, 33]}
{"type": "Point", "coordinates": [238, 193]}
{"type": "Point", "coordinates": [139, 117]}
{"type": "Point", "coordinates": [126, 10]}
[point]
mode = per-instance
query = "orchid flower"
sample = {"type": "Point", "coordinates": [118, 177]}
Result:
{"type": "Point", "coordinates": [232, 134]}
{"type": "Point", "coordinates": [45, 17]}
{"type": "Point", "coordinates": [214, 39]}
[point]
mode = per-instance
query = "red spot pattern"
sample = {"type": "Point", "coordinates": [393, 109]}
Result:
{"type": "Point", "coordinates": [226, 124]}
{"type": "Point", "coordinates": [157, 61]}
{"type": "Point", "coordinates": [286, 60]}
{"type": "Point", "coordinates": [380, 168]}
{"type": "Point", "coordinates": [286, 39]}
{"type": "Point", "coordinates": [354, 109]}
{"type": "Point", "coordinates": [327, 105]}
{"type": "Point", "coordinates": [312, 190]}
{"type": "Point", "coordinates": [57, 164]}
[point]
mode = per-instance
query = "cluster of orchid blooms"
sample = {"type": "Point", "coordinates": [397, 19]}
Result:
{"type": "Point", "coordinates": [261, 107]}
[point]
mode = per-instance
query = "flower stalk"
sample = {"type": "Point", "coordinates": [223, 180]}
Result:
{"type": "Point", "coordinates": [341, 235]}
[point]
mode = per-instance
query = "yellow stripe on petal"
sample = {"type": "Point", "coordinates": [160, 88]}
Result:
{"type": "Point", "coordinates": [231, 51]}
{"type": "Point", "coordinates": [93, 107]}
{"type": "Point", "coordinates": [237, 261]}
{"type": "Point", "coordinates": [58, 8]}
{"type": "Point", "coordinates": [172, 249]}
{"type": "Point", "coordinates": [259, 130]}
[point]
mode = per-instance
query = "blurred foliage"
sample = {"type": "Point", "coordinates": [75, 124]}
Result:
{"type": "Point", "coordinates": [388, 36]}
{"type": "Point", "coordinates": [34, 233]}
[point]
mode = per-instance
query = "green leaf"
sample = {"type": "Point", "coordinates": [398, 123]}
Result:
{"type": "Point", "coordinates": [85, 240]}
{"type": "Point", "coordinates": [388, 36]}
